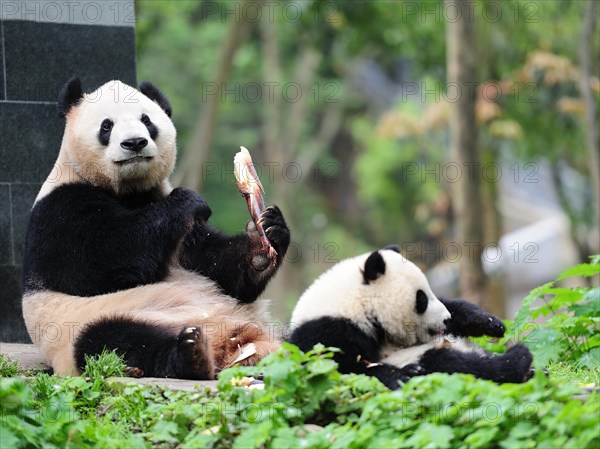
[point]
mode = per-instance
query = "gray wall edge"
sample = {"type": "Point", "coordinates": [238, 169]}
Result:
{"type": "Point", "coordinates": [83, 12]}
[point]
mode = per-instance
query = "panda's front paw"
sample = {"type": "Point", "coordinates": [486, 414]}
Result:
{"type": "Point", "coordinates": [487, 324]}
{"type": "Point", "coordinates": [189, 203]}
{"type": "Point", "coordinates": [276, 229]}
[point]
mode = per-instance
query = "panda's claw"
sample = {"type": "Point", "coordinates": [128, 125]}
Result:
{"type": "Point", "coordinates": [192, 355]}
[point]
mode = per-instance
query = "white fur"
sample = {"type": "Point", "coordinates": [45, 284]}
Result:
{"type": "Point", "coordinates": [83, 158]}
{"type": "Point", "coordinates": [390, 299]}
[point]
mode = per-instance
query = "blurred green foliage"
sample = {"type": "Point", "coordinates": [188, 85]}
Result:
{"type": "Point", "coordinates": [358, 191]}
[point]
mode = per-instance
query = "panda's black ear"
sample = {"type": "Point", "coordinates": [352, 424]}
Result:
{"type": "Point", "coordinates": [152, 92]}
{"type": "Point", "coordinates": [393, 247]}
{"type": "Point", "coordinates": [374, 267]}
{"type": "Point", "coordinates": [70, 95]}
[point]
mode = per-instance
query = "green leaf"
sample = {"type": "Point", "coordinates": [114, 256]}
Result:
{"type": "Point", "coordinates": [481, 437]}
{"type": "Point", "coordinates": [164, 431]}
{"type": "Point", "coordinates": [322, 366]}
{"type": "Point", "coordinates": [584, 269]}
{"type": "Point", "coordinates": [254, 435]}
{"type": "Point", "coordinates": [524, 312]}
{"type": "Point", "coordinates": [8, 439]}
{"type": "Point", "coordinates": [430, 436]}
{"type": "Point", "coordinates": [591, 359]}
{"type": "Point", "coordinates": [546, 345]}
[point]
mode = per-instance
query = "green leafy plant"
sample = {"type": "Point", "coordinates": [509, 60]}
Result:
{"type": "Point", "coordinates": [571, 330]}
{"type": "Point", "coordinates": [305, 402]}
{"type": "Point", "coordinates": [8, 368]}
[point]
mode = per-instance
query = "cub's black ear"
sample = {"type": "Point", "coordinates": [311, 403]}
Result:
{"type": "Point", "coordinates": [374, 267]}
{"type": "Point", "coordinates": [152, 92]}
{"type": "Point", "coordinates": [393, 247]}
{"type": "Point", "coordinates": [70, 95]}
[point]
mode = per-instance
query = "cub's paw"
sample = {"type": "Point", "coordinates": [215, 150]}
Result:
{"type": "Point", "coordinates": [193, 356]}
{"type": "Point", "coordinates": [411, 370]}
{"type": "Point", "coordinates": [276, 229]}
{"type": "Point", "coordinates": [490, 325]}
{"type": "Point", "coordinates": [189, 203]}
{"type": "Point", "coordinates": [515, 363]}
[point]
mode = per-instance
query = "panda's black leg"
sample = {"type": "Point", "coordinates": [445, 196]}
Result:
{"type": "Point", "coordinates": [514, 366]}
{"type": "Point", "coordinates": [153, 349]}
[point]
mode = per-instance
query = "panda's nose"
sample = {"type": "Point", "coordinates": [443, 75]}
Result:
{"type": "Point", "coordinates": [136, 144]}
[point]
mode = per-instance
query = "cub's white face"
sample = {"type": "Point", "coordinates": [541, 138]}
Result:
{"type": "Point", "coordinates": [399, 301]}
{"type": "Point", "coordinates": [404, 304]}
{"type": "Point", "coordinates": [118, 138]}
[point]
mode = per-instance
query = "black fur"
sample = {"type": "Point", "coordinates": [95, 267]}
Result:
{"type": "Point", "coordinates": [151, 347]}
{"type": "Point", "coordinates": [70, 95]}
{"type": "Point", "coordinates": [152, 92]}
{"type": "Point", "coordinates": [105, 131]}
{"type": "Point", "coordinates": [358, 350]}
{"type": "Point", "coordinates": [421, 302]}
{"type": "Point", "coordinates": [152, 129]}
{"type": "Point", "coordinates": [374, 267]}
{"type": "Point", "coordinates": [468, 320]}
{"type": "Point", "coordinates": [107, 243]}
{"type": "Point", "coordinates": [232, 261]}
{"type": "Point", "coordinates": [512, 366]}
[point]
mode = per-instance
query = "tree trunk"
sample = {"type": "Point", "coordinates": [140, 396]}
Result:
{"type": "Point", "coordinates": [189, 173]}
{"type": "Point", "coordinates": [467, 201]}
{"type": "Point", "coordinates": [590, 19]}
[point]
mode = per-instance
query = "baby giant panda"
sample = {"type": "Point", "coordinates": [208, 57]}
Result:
{"type": "Point", "coordinates": [379, 309]}
{"type": "Point", "coordinates": [116, 258]}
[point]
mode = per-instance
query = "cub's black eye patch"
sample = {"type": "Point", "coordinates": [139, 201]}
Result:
{"type": "Point", "coordinates": [105, 131]}
{"type": "Point", "coordinates": [151, 127]}
{"type": "Point", "coordinates": [422, 301]}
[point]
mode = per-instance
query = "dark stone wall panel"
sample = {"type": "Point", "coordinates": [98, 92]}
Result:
{"type": "Point", "coordinates": [2, 92]}
{"type": "Point", "coordinates": [40, 57]}
{"type": "Point", "coordinates": [31, 137]}
{"type": "Point", "coordinates": [22, 196]}
{"type": "Point", "coordinates": [12, 326]}
{"type": "Point", "coordinates": [6, 240]}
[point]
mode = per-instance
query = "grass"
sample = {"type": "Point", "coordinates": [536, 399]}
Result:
{"type": "Point", "coordinates": [8, 368]}
{"type": "Point", "coordinates": [573, 374]}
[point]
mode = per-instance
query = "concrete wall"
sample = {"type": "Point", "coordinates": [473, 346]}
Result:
{"type": "Point", "coordinates": [43, 43]}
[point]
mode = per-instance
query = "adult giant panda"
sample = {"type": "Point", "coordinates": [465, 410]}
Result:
{"type": "Point", "coordinates": [116, 258]}
{"type": "Point", "coordinates": [379, 309]}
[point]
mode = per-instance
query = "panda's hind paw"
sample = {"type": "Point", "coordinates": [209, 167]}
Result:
{"type": "Point", "coordinates": [516, 363]}
{"type": "Point", "coordinates": [411, 370]}
{"type": "Point", "coordinates": [193, 355]}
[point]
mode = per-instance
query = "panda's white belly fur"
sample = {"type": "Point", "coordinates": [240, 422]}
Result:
{"type": "Point", "coordinates": [401, 357]}
{"type": "Point", "coordinates": [54, 320]}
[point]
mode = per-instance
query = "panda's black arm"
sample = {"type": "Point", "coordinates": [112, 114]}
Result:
{"type": "Point", "coordinates": [237, 263]}
{"type": "Point", "coordinates": [357, 349]}
{"type": "Point", "coordinates": [468, 320]}
{"type": "Point", "coordinates": [102, 244]}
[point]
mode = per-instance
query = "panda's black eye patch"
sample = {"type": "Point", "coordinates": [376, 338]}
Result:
{"type": "Point", "coordinates": [422, 301]}
{"type": "Point", "coordinates": [105, 130]}
{"type": "Point", "coordinates": [152, 129]}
